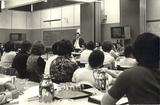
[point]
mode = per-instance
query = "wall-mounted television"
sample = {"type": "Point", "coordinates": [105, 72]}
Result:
{"type": "Point", "coordinates": [120, 32]}
{"type": "Point", "coordinates": [17, 36]}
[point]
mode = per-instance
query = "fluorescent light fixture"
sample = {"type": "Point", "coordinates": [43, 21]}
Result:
{"type": "Point", "coordinates": [17, 3]}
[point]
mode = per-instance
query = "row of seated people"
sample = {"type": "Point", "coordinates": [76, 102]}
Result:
{"type": "Point", "coordinates": [29, 63]}
{"type": "Point", "coordinates": [140, 83]}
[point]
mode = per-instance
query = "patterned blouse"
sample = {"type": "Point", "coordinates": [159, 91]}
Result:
{"type": "Point", "coordinates": [62, 69]}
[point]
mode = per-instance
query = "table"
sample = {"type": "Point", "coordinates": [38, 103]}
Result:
{"type": "Point", "coordinates": [23, 84]}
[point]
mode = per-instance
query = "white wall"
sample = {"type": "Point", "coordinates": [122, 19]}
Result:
{"type": "Point", "coordinates": [112, 10]}
{"type": "Point", "coordinates": [153, 9]}
{"type": "Point", "coordinates": [152, 12]}
{"type": "Point", "coordinates": [15, 20]}
{"type": "Point", "coordinates": [69, 15]}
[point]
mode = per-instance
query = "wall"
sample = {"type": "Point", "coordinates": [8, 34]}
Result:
{"type": "Point", "coordinates": [153, 16]}
{"type": "Point", "coordinates": [112, 10]}
{"type": "Point", "coordinates": [130, 15]}
{"type": "Point", "coordinates": [32, 23]}
{"type": "Point", "coordinates": [14, 22]}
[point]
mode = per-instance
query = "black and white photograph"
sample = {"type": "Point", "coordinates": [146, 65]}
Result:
{"type": "Point", "coordinates": [79, 52]}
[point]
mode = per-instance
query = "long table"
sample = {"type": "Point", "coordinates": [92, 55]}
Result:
{"type": "Point", "coordinates": [23, 85]}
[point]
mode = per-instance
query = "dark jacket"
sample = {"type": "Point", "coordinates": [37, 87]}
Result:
{"type": "Point", "coordinates": [19, 63]}
{"type": "Point", "coordinates": [81, 42]}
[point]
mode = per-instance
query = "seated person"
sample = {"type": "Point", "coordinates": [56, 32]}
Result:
{"type": "Point", "coordinates": [109, 60]}
{"type": "Point", "coordinates": [128, 61]}
{"type": "Point", "coordinates": [85, 74]}
{"type": "Point", "coordinates": [85, 53]}
{"type": "Point", "coordinates": [7, 91]}
{"type": "Point", "coordinates": [8, 55]}
{"type": "Point", "coordinates": [35, 63]}
{"type": "Point", "coordinates": [140, 83]}
{"type": "Point", "coordinates": [62, 67]}
{"type": "Point", "coordinates": [20, 60]}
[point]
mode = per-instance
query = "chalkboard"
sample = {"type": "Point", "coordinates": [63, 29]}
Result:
{"type": "Point", "coordinates": [52, 36]}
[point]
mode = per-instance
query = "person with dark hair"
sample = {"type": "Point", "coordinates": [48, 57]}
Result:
{"type": "Point", "coordinates": [78, 42]}
{"type": "Point", "coordinates": [35, 63]}
{"type": "Point", "coordinates": [20, 60]}
{"type": "Point", "coordinates": [85, 74]}
{"type": "Point", "coordinates": [62, 67]}
{"type": "Point", "coordinates": [90, 46]}
{"type": "Point", "coordinates": [128, 60]}
{"type": "Point", "coordinates": [98, 46]}
{"type": "Point", "coordinates": [109, 60]}
{"type": "Point", "coordinates": [8, 55]}
{"type": "Point", "coordinates": [141, 83]}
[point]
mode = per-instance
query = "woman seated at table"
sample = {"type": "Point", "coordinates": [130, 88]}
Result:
{"type": "Point", "coordinates": [7, 91]}
{"type": "Point", "coordinates": [62, 67]}
{"type": "Point", "coordinates": [85, 74]}
{"type": "Point", "coordinates": [20, 60]}
{"type": "Point", "coordinates": [8, 55]}
{"type": "Point", "coordinates": [35, 63]}
{"type": "Point", "coordinates": [128, 61]}
{"type": "Point", "coordinates": [109, 61]}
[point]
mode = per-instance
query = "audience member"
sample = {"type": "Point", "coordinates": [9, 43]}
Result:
{"type": "Point", "coordinates": [141, 83]}
{"type": "Point", "coordinates": [128, 61]}
{"type": "Point", "coordinates": [98, 46]}
{"type": "Point", "coordinates": [20, 60]}
{"type": "Point", "coordinates": [8, 55]}
{"type": "Point", "coordinates": [109, 61]}
{"type": "Point", "coordinates": [35, 63]}
{"type": "Point", "coordinates": [85, 54]}
{"type": "Point", "coordinates": [85, 74]}
{"type": "Point", "coordinates": [7, 91]}
{"type": "Point", "coordinates": [62, 68]}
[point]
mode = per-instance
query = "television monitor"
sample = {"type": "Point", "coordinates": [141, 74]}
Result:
{"type": "Point", "coordinates": [117, 32]}
{"type": "Point", "coordinates": [17, 36]}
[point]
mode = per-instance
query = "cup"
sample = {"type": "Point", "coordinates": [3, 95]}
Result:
{"type": "Point", "coordinates": [13, 79]}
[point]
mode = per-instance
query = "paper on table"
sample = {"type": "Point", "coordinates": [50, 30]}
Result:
{"type": "Point", "coordinates": [5, 79]}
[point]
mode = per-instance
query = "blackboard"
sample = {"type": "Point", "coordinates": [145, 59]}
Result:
{"type": "Point", "coordinates": [52, 36]}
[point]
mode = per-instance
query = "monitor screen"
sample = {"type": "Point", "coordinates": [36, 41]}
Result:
{"type": "Point", "coordinates": [117, 32]}
{"type": "Point", "coordinates": [15, 37]}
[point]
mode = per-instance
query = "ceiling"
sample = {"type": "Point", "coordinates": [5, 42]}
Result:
{"type": "Point", "coordinates": [45, 5]}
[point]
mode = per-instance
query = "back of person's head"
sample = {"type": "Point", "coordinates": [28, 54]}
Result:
{"type": "Point", "coordinates": [128, 51]}
{"type": "Point", "coordinates": [107, 46]}
{"type": "Point", "coordinates": [64, 48]}
{"type": "Point", "coordinates": [96, 59]}
{"type": "Point", "coordinates": [146, 50]}
{"type": "Point", "coordinates": [25, 46]}
{"type": "Point", "coordinates": [9, 46]}
{"type": "Point", "coordinates": [38, 48]}
{"type": "Point", "coordinates": [55, 48]}
{"type": "Point", "coordinates": [90, 45]}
